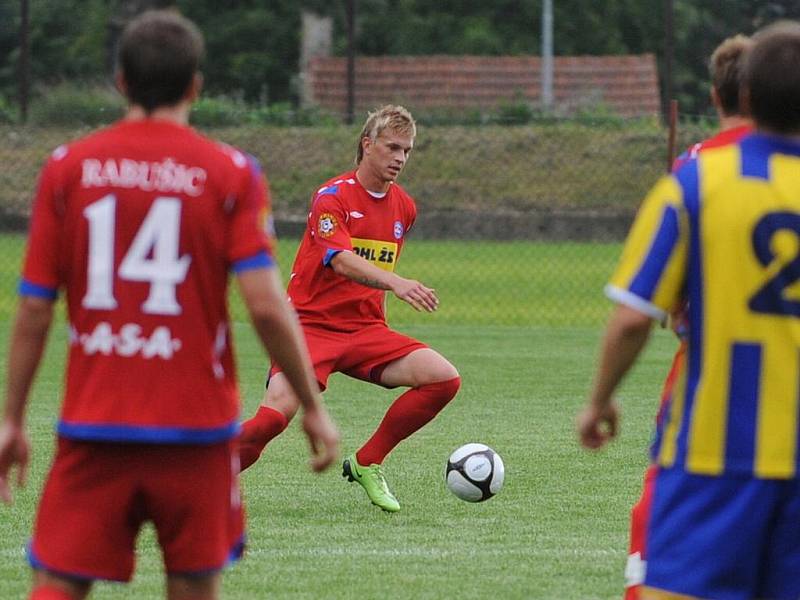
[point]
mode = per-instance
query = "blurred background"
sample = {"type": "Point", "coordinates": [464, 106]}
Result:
{"type": "Point", "coordinates": [542, 123]}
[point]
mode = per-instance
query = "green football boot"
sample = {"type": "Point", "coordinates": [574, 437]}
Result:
{"type": "Point", "coordinates": [372, 480]}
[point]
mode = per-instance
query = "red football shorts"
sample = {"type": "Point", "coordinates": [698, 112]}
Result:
{"type": "Point", "coordinates": [362, 354]}
{"type": "Point", "coordinates": [98, 495]}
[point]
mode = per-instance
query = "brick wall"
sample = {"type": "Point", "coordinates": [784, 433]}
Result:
{"type": "Point", "coordinates": [628, 85]}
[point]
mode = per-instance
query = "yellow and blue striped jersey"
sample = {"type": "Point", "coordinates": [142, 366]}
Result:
{"type": "Point", "coordinates": [724, 233]}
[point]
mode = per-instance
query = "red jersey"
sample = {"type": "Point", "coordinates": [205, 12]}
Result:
{"type": "Point", "coordinates": [344, 216]}
{"type": "Point", "coordinates": [140, 224]}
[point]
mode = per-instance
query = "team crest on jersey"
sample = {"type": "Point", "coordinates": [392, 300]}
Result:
{"type": "Point", "coordinates": [398, 230]}
{"type": "Point", "coordinates": [326, 226]}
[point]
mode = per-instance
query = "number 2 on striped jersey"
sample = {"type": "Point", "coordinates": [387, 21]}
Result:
{"type": "Point", "coordinates": [771, 298]}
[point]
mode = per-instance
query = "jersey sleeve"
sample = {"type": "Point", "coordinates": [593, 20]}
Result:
{"type": "Point", "coordinates": [328, 223]}
{"type": "Point", "coordinates": [41, 273]}
{"type": "Point", "coordinates": [252, 236]}
{"type": "Point", "coordinates": [650, 275]}
{"type": "Point", "coordinates": [412, 214]}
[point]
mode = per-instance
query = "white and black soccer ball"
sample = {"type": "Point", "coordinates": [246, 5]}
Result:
{"type": "Point", "coordinates": [475, 472]}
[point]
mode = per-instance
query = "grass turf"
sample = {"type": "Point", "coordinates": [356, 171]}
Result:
{"type": "Point", "coordinates": [557, 530]}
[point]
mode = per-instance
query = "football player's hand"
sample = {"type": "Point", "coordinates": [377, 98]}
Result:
{"type": "Point", "coordinates": [14, 450]}
{"type": "Point", "coordinates": [596, 427]}
{"type": "Point", "coordinates": [323, 437]}
{"type": "Point", "coordinates": [416, 294]}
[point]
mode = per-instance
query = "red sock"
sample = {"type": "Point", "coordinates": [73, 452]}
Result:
{"type": "Point", "coordinates": [266, 424]}
{"type": "Point", "coordinates": [406, 415]}
{"type": "Point", "coordinates": [49, 592]}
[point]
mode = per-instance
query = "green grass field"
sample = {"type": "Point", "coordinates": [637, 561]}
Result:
{"type": "Point", "coordinates": [522, 323]}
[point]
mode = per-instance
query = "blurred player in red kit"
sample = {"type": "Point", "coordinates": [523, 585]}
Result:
{"type": "Point", "coordinates": [140, 224]}
{"type": "Point", "coordinates": [725, 66]}
{"type": "Point", "coordinates": [356, 228]}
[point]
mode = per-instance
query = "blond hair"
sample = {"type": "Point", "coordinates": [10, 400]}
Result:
{"type": "Point", "coordinates": [390, 116]}
{"type": "Point", "coordinates": [726, 67]}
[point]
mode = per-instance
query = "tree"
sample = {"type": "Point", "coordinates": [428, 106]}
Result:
{"type": "Point", "coordinates": [253, 46]}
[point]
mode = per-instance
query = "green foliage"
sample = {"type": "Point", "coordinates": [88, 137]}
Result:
{"type": "Point", "coordinates": [253, 47]}
{"type": "Point", "coordinates": [8, 112]}
{"type": "Point", "coordinates": [76, 51]}
{"type": "Point", "coordinates": [218, 111]}
{"type": "Point", "coordinates": [602, 114]}
{"type": "Point", "coordinates": [70, 104]}
{"type": "Point", "coordinates": [518, 112]}
{"type": "Point", "coordinates": [285, 114]}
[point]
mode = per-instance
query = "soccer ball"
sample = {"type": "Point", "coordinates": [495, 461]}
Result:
{"type": "Point", "coordinates": [475, 472]}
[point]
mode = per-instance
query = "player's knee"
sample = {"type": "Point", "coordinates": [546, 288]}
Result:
{"type": "Point", "coordinates": [438, 371]}
{"type": "Point", "coordinates": [281, 397]}
{"type": "Point", "coordinates": [193, 588]}
{"type": "Point", "coordinates": [443, 391]}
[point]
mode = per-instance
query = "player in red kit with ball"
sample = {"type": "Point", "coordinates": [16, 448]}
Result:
{"type": "Point", "coordinates": [357, 225]}
{"type": "Point", "coordinates": [140, 225]}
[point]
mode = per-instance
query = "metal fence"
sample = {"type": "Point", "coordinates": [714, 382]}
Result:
{"type": "Point", "coordinates": [518, 225]}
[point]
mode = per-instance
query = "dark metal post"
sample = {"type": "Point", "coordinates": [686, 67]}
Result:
{"type": "Point", "coordinates": [24, 60]}
{"type": "Point", "coordinates": [669, 57]}
{"type": "Point", "coordinates": [351, 61]}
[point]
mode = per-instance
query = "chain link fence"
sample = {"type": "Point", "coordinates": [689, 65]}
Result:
{"type": "Point", "coordinates": [518, 225]}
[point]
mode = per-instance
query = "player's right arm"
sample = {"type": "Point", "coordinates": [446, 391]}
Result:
{"type": "Point", "coordinates": [328, 221]}
{"type": "Point", "coordinates": [626, 334]}
{"type": "Point", "coordinates": [28, 339]}
{"type": "Point", "coordinates": [273, 318]}
{"type": "Point", "coordinates": [38, 290]}
{"type": "Point", "coordinates": [279, 330]}
{"type": "Point", "coordinates": [361, 271]}
{"type": "Point", "coordinates": [647, 283]}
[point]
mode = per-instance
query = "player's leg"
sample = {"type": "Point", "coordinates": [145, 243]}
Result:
{"type": "Point", "coordinates": [193, 588]}
{"type": "Point", "coordinates": [280, 403]}
{"type": "Point", "coordinates": [636, 566]}
{"type": "Point", "coordinates": [279, 406]}
{"type": "Point", "coordinates": [192, 497]}
{"type": "Point", "coordinates": [49, 586]}
{"type": "Point", "coordinates": [87, 520]}
{"type": "Point", "coordinates": [433, 382]}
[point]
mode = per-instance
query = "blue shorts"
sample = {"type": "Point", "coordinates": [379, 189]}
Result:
{"type": "Point", "coordinates": [727, 538]}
